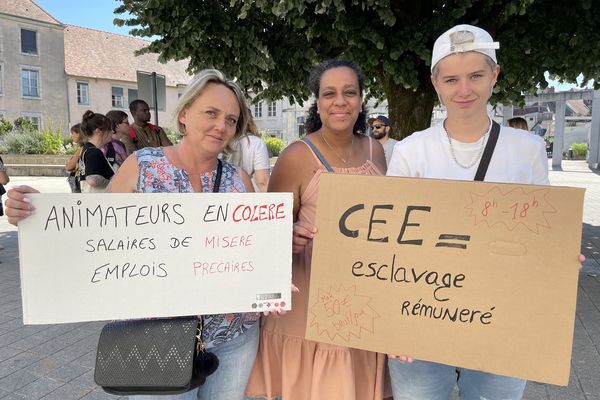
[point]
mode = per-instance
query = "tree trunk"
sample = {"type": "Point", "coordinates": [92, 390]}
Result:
{"type": "Point", "coordinates": [410, 111]}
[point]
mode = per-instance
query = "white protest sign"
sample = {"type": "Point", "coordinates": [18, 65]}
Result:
{"type": "Point", "coordinates": [121, 256]}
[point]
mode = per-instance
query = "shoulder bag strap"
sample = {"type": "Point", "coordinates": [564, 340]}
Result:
{"type": "Point", "coordinates": [317, 153]}
{"type": "Point", "coordinates": [487, 152]}
{"type": "Point", "coordinates": [217, 184]}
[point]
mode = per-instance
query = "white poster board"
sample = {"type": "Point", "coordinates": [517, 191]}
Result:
{"type": "Point", "coordinates": [121, 256]}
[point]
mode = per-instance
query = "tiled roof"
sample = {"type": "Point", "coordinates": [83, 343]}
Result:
{"type": "Point", "coordinates": [579, 107]}
{"type": "Point", "coordinates": [27, 9]}
{"type": "Point", "coordinates": [97, 54]}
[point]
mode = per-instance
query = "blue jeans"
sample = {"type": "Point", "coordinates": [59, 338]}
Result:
{"type": "Point", "coordinates": [229, 381]}
{"type": "Point", "coordinates": [424, 380]}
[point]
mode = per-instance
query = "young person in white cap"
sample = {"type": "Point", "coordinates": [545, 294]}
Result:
{"type": "Point", "coordinates": [464, 71]}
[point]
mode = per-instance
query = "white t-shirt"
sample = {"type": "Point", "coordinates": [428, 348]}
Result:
{"type": "Point", "coordinates": [517, 158]}
{"type": "Point", "coordinates": [255, 155]}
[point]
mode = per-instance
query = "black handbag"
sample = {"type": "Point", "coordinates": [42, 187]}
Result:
{"type": "Point", "coordinates": [154, 356]}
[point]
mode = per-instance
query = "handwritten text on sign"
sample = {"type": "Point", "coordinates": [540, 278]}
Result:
{"type": "Point", "coordinates": [116, 256]}
{"type": "Point", "coordinates": [461, 273]}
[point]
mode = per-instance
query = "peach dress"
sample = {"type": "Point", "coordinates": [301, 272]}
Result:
{"type": "Point", "coordinates": [291, 367]}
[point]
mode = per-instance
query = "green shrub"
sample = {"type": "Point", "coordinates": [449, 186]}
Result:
{"type": "Point", "coordinates": [23, 125]}
{"type": "Point", "coordinates": [51, 142]}
{"type": "Point", "coordinates": [579, 149]}
{"type": "Point", "coordinates": [173, 135]}
{"type": "Point", "coordinates": [34, 142]}
{"type": "Point", "coordinates": [19, 142]}
{"type": "Point", "coordinates": [5, 126]}
{"type": "Point", "coordinates": [275, 145]}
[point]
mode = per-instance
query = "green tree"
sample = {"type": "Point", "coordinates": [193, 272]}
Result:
{"type": "Point", "coordinates": [270, 46]}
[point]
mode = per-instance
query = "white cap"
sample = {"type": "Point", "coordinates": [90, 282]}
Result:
{"type": "Point", "coordinates": [482, 42]}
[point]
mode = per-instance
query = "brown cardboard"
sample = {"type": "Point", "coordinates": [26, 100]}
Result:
{"type": "Point", "coordinates": [503, 257]}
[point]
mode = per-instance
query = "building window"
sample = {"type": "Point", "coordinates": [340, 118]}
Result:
{"type": "Point", "coordinates": [30, 82]}
{"type": "Point", "coordinates": [83, 93]}
{"type": "Point", "coordinates": [35, 119]}
{"type": "Point", "coordinates": [132, 94]}
{"type": "Point", "coordinates": [272, 110]}
{"type": "Point", "coordinates": [29, 42]}
{"type": "Point", "coordinates": [117, 97]}
{"type": "Point", "coordinates": [258, 109]}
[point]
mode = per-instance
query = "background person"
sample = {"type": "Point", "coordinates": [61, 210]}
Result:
{"type": "Point", "coordinates": [4, 179]}
{"type": "Point", "coordinates": [72, 166]}
{"type": "Point", "coordinates": [120, 125]}
{"type": "Point", "coordinates": [142, 132]}
{"type": "Point", "coordinates": [95, 172]}
{"type": "Point", "coordinates": [287, 365]}
{"type": "Point", "coordinates": [251, 154]}
{"type": "Point", "coordinates": [115, 151]}
{"type": "Point", "coordinates": [518, 123]}
{"type": "Point", "coordinates": [211, 111]}
{"type": "Point", "coordinates": [381, 127]}
{"type": "Point", "coordinates": [463, 72]}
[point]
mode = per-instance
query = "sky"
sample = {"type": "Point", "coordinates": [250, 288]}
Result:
{"type": "Point", "coordinates": [98, 14]}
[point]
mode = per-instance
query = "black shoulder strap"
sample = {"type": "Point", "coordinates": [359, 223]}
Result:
{"type": "Point", "coordinates": [217, 184]}
{"type": "Point", "coordinates": [317, 153]}
{"type": "Point", "coordinates": [487, 152]}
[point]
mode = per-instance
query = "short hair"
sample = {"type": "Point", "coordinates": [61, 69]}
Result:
{"type": "Point", "coordinates": [488, 60]}
{"type": "Point", "coordinates": [90, 121]}
{"type": "Point", "coordinates": [195, 90]}
{"type": "Point", "coordinates": [313, 120]}
{"type": "Point", "coordinates": [519, 123]}
{"type": "Point", "coordinates": [116, 117]}
{"type": "Point", "coordinates": [135, 104]}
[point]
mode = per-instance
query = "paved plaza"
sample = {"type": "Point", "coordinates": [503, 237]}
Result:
{"type": "Point", "coordinates": [56, 362]}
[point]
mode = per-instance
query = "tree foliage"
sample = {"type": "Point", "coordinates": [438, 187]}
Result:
{"type": "Point", "coordinates": [270, 46]}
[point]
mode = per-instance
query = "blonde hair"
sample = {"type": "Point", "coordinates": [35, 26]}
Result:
{"type": "Point", "coordinates": [458, 38]}
{"type": "Point", "coordinates": [195, 90]}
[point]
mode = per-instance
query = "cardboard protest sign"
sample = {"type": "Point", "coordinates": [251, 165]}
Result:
{"type": "Point", "coordinates": [121, 256]}
{"type": "Point", "coordinates": [471, 274]}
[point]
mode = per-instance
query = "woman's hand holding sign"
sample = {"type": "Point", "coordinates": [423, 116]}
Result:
{"type": "Point", "coordinates": [18, 206]}
{"type": "Point", "coordinates": [303, 234]}
{"type": "Point", "coordinates": [277, 311]}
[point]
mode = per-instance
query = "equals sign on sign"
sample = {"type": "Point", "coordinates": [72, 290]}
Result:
{"type": "Point", "coordinates": [455, 238]}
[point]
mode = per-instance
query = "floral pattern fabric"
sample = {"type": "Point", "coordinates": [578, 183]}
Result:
{"type": "Point", "coordinates": [158, 175]}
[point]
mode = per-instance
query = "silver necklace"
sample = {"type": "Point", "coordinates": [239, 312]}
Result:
{"type": "Point", "coordinates": [344, 160]}
{"type": "Point", "coordinates": [479, 154]}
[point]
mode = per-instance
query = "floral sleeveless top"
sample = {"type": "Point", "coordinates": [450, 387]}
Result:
{"type": "Point", "coordinates": [158, 175]}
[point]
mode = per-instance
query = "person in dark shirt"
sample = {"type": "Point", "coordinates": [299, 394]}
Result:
{"type": "Point", "coordinates": [94, 169]}
{"type": "Point", "coordinates": [142, 132]}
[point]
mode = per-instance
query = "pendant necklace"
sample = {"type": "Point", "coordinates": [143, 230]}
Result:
{"type": "Point", "coordinates": [479, 154]}
{"type": "Point", "coordinates": [344, 160]}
